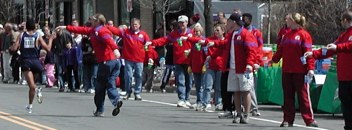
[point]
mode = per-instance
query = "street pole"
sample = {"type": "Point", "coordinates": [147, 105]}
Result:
{"type": "Point", "coordinates": [208, 17]}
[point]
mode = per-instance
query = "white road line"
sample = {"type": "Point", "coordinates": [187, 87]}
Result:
{"type": "Point", "coordinates": [164, 103]}
{"type": "Point", "coordinates": [254, 118]}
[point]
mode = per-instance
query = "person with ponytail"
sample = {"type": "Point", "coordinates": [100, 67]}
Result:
{"type": "Point", "coordinates": [296, 69]}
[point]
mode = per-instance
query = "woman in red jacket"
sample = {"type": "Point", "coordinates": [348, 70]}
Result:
{"type": "Point", "coordinates": [197, 59]}
{"type": "Point", "coordinates": [342, 47]}
{"type": "Point", "coordinates": [107, 55]}
{"type": "Point", "coordinates": [212, 75]}
{"type": "Point", "coordinates": [294, 69]}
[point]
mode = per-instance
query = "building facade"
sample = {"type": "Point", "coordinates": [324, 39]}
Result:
{"type": "Point", "coordinates": [62, 12]}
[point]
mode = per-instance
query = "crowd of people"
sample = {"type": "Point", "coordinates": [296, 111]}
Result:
{"type": "Point", "coordinates": [88, 59]}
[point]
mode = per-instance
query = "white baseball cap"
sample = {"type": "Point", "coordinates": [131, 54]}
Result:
{"type": "Point", "coordinates": [1, 26]}
{"type": "Point", "coordinates": [182, 18]}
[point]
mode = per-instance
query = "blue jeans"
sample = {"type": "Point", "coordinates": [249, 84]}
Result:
{"type": "Point", "coordinates": [59, 64]}
{"type": "Point", "coordinates": [107, 73]}
{"type": "Point", "coordinates": [43, 75]}
{"type": "Point", "coordinates": [89, 76]}
{"type": "Point", "coordinates": [184, 82]}
{"type": "Point", "coordinates": [212, 78]}
{"type": "Point", "coordinates": [199, 83]}
{"type": "Point", "coordinates": [138, 69]}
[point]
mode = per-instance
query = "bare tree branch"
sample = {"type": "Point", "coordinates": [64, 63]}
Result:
{"type": "Point", "coordinates": [322, 17]}
{"type": "Point", "coordinates": [162, 6]}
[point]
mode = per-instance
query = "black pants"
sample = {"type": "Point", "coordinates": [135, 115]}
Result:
{"type": "Point", "coordinates": [226, 96]}
{"type": "Point", "coordinates": [345, 95]}
{"type": "Point", "coordinates": [70, 69]}
{"type": "Point", "coordinates": [166, 76]}
{"type": "Point", "coordinates": [122, 78]}
{"type": "Point", "coordinates": [15, 64]}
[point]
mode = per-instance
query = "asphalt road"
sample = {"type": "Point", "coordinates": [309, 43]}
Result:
{"type": "Point", "coordinates": [157, 111]}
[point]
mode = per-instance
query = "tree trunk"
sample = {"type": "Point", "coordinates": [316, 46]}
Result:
{"type": "Point", "coordinates": [164, 24]}
{"type": "Point", "coordinates": [269, 25]}
{"type": "Point", "coordinates": [208, 15]}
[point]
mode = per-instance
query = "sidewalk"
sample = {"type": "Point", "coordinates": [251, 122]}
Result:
{"type": "Point", "coordinates": [173, 89]}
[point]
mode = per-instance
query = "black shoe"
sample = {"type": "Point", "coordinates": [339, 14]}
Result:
{"type": "Point", "coordinates": [116, 110]}
{"type": "Point", "coordinates": [313, 124]}
{"type": "Point", "coordinates": [72, 91]}
{"type": "Point", "coordinates": [286, 124]}
{"type": "Point", "coordinates": [61, 90]}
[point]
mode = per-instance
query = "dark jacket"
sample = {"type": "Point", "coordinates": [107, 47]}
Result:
{"type": "Point", "coordinates": [59, 43]}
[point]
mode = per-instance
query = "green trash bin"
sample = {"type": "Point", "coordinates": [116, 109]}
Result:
{"type": "Point", "coordinates": [264, 84]}
{"type": "Point", "coordinates": [329, 101]}
{"type": "Point", "coordinates": [276, 94]}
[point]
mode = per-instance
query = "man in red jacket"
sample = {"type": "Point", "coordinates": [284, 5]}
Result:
{"type": "Point", "coordinates": [133, 53]}
{"type": "Point", "coordinates": [181, 61]}
{"type": "Point", "coordinates": [247, 18]}
{"type": "Point", "coordinates": [107, 54]}
{"type": "Point", "coordinates": [239, 58]}
{"type": "Point", "coordinates": [342, 47]}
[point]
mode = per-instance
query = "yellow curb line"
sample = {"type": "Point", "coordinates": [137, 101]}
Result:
{"type": "Point", "coordinates": [24, 122]}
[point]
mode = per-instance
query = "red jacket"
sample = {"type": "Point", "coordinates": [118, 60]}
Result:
{"type": "Point", "coordinates": [133, 43]}
{"type": "Point", "coordinates": [259, 37]}
{"type": "Point", "coordinates": [151, 53]}
{"type": "Point", "coordinates": [344, 55]}
{"type": "Point", "coordinates": [101, 39]}
{"type": "Point", "coordinates": [197, 57]}
{"type": "Point", "coordinates": [245, 46]}
{"type": "Point", "coordinates": [281, 33]}
{"type": "Point", "coordinates": [179, 55]}
{"type": "Point", "coordinates": [294, 44]}
{"type": "Point", "coordinates": [217, 61]}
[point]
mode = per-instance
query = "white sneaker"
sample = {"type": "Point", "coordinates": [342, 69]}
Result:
{"type": "Point", "coordinates": [237, 118]}
{"type": "Point", "coordinates": [197, 106]}
{"type": "Point", "coordinates": [255, 113]}
{"type": "Point", "coordinates": [218, 107]}
{"type": "Point", "coordinates": [188, 104]}
{"type": "Point", "coordinates": [29, 109]}
{"type": "Point", "coordinates": [81, 91]}
{"type": "Point", "coordinates": [39, 95]}
{"type": "Point", "coordinates": [123, 93]}
{"type": "Point", "coordinates": [24, 82]}
{"type": "Point", "coordinates": [181, 103]}
{"type": "Point", "coordinates": [91, 91]}
{"type": "Point", "coordinates": [244, 119]}
{"type": "Point", "coordinates": [225, 115]}
{"type": "Point", "coordinates": [207, 107]}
